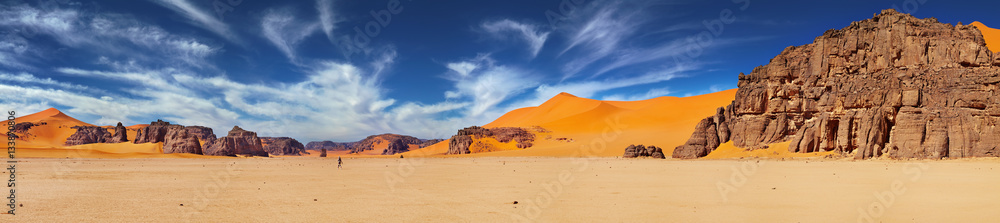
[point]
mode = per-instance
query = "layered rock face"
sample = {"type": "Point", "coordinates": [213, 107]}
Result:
{"type": "Point", "coordinates": [120, 136]}
{"type": "Point", "coordinates": [88, 135]}
{"type": "Point", "coordinates": [154, 133]}
{"type": "Point", "coordinates": [204, 134]}
{"type": "Point", "coordinates": [175, 138]}
{"type": "Point", "coordinates": [179, 140]}
{"type": "Point", "coordinates": [461, 142]}
{"type": "Point", "coordinates": [893, 86]}
{"type": "Point", "coordinates": [238, 142]}
{"type": "Point", "coordinates": [633, 151]}
{"type": "Point", "coordinates": [282, 146]}
{"type": "Point", "coordinates": [330, 145]}
{"type": "Point", "coordinates": [395, 143]}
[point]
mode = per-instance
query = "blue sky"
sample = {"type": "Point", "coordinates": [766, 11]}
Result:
{"type": "Point", "coordinates": [418, 67]}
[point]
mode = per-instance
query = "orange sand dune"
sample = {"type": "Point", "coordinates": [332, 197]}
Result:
{"type": "Point", "coordinates": [48, 140]}
{"type": "Point", "coordinates": [587, 127]}
{"type": "Point", "coordinates": [58, 127]}
{"type": "Point", "coordinates": [991, 35]}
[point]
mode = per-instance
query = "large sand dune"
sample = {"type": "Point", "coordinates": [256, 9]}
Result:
{"type": "Point", "coordinates": [48, 140]}
{"type": "Point", "coordinates": [586, 127]}
{"type": "Point", "coordinates": [991, 35]}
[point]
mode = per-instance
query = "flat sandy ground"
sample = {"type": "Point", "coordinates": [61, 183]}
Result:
{"type": "Point", "coordinates": [484, 189]}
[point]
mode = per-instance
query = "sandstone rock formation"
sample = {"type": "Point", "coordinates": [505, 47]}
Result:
{"type": "Point", "coordinates": [179, 140]}
{"type": "Point", "coordinates": [893, 86]}
{"type": "Point", "coordinates": [322, 153]}
{"type": "Point", "coordinates": [88, 135]}
{"type": "Point", "coordinates": [633, 151]}
{"type": "Point", "coordinates": [282, 146]}
{"type": "Point", "coordinates": [430, 142]}
{"type": "Point", "coordinates": [204, 134]}
{"type": "Point", "coordinates": [238, 142]}
{"type": "Point", "coordinates": [154, 133]}
{"type": "Point", "coordinates": [120, 136]}
{"type": "Point", "coordinates": [461, 142]}
{"type": "Point", "coordinates": [393, 143]}
{"type": "Point", "coordinates": [329, 145]}
{"type": "Point", "coordinates": [175, 138]}
{"type": "Point", "coordinates": [388, 144]}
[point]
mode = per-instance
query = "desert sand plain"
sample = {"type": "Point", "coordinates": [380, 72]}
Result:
{"type": "Point", "coordinates": [484, 189]}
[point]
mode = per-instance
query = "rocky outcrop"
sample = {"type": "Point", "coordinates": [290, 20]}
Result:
{"type": "Point", "coordinates": [891, 86]}
{"type": "Point", "coordinates": [329, 145]}
{"type": "Point", "coordinates": [120, 136]}
{"type": "Point", "coordinates": [238, 142]}
{"type": "Point", "coordinates": [322, 153]}
{"type": "Point", "coordinates": [633, 151]}
{"type": "Point", "coordinates": [179, 140]}
{"type": "Point", "coordinates": [430, 142]}
{"type": "Point", "coordinates": [461, 142]}
{"type": "Point", "coordinates": [206, 136]}
{"type": "Point", "coordinates": [88, 135]}
{"type": "Point", "coordinates": [393, 143]}
{"type": "Point", "coordinates": [91, 134]}
{"type": "Point", "coordinates": [154, 133]}
{"type": "Point", "coordinates": [282, 146]}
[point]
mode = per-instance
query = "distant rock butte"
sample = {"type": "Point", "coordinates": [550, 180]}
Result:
{"type": "Point", "coordinates": [383, 144]}
{"type": "Point", "coordinates": [891, 86]}
{"type": "Point", "coordinates": [479, 139]}
{"type": "Point", "coordinates": [88, 135]}
{"type": "Point", "coordinates": [120, 136]}
{"type": "Point", "coordinates": [205, 135]}
{"type": "Point", "coordinates": [179, 140]}
{"type": "Point", "coordinates": [282, 146]}
{"type": "Point", "coordinates": [238, 142]}
{"type": "Point", "coordinates": [633, 151]}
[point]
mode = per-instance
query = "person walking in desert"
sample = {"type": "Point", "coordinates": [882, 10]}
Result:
{"type": "Point", "coordinates": [339, 163]}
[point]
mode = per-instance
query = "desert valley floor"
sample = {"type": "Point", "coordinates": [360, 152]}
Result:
{"type": "Point", "coordinates": [484, 190]}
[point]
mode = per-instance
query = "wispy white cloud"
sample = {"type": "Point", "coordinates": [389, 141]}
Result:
{"type": "Point", "coordinates": [529, 33]}
{"type": "Point", "coordinates": [487, 84]}
{"type": "Point", "coordinates": [652, 93]}
{"type": "Point", "coordinates": [281, 28]}
{"type": "Point", "coordinates": [103, 33]}
{"type": "Point", "coordinates": [26, 78]}
{"type": "Point", "coordinates": [200, 18]}
{"type": "Point", "coordinates": [327, 18]}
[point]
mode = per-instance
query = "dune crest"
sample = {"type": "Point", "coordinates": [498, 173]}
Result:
{"type": "Point", "coordinates": [577, 127]}
{"type": "Point", "coordinates": [991, 35]}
